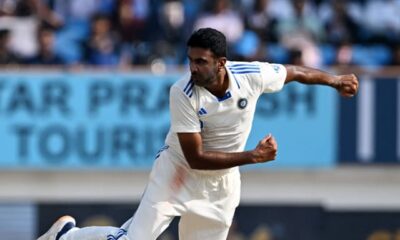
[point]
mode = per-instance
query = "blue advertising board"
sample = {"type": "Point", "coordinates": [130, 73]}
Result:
{"type": "Point", "coordinates": [110, 120]}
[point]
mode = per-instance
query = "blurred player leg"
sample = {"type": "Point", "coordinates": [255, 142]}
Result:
{"type": "Point", "coordinates": [152, 217]}
{"type": "Point", "coordinates": [156, 209]}
{"type": "Point", "coordinates": [148, 222]}
{"type": "Point", "coordinates": [196, 227]}
{"type": "Point", "coordinates": [211, 216]}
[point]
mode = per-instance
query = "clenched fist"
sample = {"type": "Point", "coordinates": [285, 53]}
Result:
{"type": "Point", "coordinates": [266, 150]}
{"type": "Point", "coordinates": [347, 85]}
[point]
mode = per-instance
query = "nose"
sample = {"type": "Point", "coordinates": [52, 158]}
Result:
{"type": "Point", "coordinates": [193, 67]}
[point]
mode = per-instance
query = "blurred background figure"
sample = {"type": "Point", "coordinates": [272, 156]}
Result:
{"type": "Point", "coordinates": [220, 15]}
{"type": "Point", "coordinates": [259, 29]}
{"type": "Point", "coordinates": [301, 31]}
{"type": "Point", "coordinates": [45, 54]}
{"type": "Point", "coordinates": [144, 31]}
{"type": "Point", "coordinates": [21, 18]}
{"type": "Point", "coordinates": [344, 54]}
{"type": "Point", "coordinates": [382, 19]}
{"type": "Point", "coordinates": [7, 56]}
{"type": "Point", "coordinates": [76, 17]}
{"type": "Point", "coordinates": [132, 24]}
{"type": "Point", "coordinates": [102, 46]}
{"type": "Point", "coordinates": [340, 26]}
{"type": "Point", "coordinates": [260, 21]}
{"type": "Point", "coordinates": [74, 12]}
{"type": "Point", "coordinates": [171, 18]}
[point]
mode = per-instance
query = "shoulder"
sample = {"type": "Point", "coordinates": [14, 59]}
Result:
{"type": "Point", "coordinates": [236, 67]}
{"type": "Point", "coordinates": [183, 90]}
{"type": "Point", "coordinates": [251, 70]}
{"type": "Point", "coordinates": [245, 73]}
{"type": "Point", "coordinates": [259, 76]}
{"type": "Point", "coordinates": [255, 66]}
{"type": "Point", "coordinates": [183, 86]}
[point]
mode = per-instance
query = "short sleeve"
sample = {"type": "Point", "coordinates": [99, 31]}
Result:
{"type": "Point", "coordinates": [274, 76]}
{"type": "Point", "coordinates": [183, 117]}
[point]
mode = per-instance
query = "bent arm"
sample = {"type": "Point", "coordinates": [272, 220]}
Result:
{"type": "Point", "coordinates": [197, 158]}
{"type": "Point", "coordinates": [347, 84]}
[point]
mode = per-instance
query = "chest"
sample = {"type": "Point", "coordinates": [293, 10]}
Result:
{"type": "Point", "coordinates": [234, 111]}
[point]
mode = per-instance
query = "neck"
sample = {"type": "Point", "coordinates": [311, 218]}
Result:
{"type": "Point", "coordinates": [221, 84]}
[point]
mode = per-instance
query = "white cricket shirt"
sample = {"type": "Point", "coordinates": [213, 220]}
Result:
{"type": "Point", "coordinates": [224, 123]}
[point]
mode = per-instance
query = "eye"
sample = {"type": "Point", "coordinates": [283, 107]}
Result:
{"type": "Point", "coordinates": [197, 61]}
{"type": "Point", "coordinates": [200, 61]}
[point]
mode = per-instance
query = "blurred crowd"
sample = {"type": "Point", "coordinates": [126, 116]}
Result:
{"type": "Point", "coordinates": [124, 33]}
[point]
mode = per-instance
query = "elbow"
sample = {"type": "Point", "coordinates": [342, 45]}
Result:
{"type": "Point", "coordinates": [294, 73]}
{"type": "Point", "coordinates": [194, 163]}
{"type": "Point", "coordinates": [194, 160]}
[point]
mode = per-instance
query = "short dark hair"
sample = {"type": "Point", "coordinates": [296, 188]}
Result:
{"type": "Point", "coordinates": [209, 38]}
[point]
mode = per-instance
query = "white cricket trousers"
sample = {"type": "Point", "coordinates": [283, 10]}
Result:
{"type": "Point", "coordinates": [205, 201]}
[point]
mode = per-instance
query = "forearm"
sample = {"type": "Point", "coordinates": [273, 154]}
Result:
{"type": "Point", "coordinates": [198, 158]}
{"type": "Point", "coordinates": [211, 160]}
{"type": "Point", "coordinates": [308, 75]}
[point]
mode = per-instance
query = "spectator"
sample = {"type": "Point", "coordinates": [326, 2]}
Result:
{"type": "Point", "coordinates": [259, 21]}
{"type": "Point", "coordinates": [78, 11]}
{"type": "Point", "coordinates": [101, 48]}
{"type": "Point", "coordinates": [339, 24]}
{"type": "Point", "coordinates": [301, 33]}
{"type": "Point", "coordinates": [46, 14]}
{"type": "Point", "coordinates": [223, 18]}
{"type": "Point", "coordinates": [131, 21]}
{"type": "Point", "coordinates": [46, 54]}
{"type": "Point", "coordinates": [280, 9]}
{"type": "Point", "coordinates": [20, 18]}
{"type": "Point", "coordinates": [296, 57]}
{"type": "Point", "coordinates": [171, 19]}
{"type": "Point", "coordinates": [139, 31]}
{"type": "Point", "coordinates": [383, 21]}
{"type": "Point", "coordinates": [303, 21]}
{"type": "Point", "coordinates": [6, 55]}
{"type": "Point", "coordinates": [344, 54]}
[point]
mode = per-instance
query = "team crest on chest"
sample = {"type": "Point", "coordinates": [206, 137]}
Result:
{"type": "Point", "coordinates": [242, 103]}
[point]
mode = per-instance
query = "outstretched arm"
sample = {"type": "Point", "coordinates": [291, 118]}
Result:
{"type": "Point", "coordinates": [346, 85]}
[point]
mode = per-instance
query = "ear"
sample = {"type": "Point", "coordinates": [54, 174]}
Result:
{"type": "Point", "coordinates": [221, 62]}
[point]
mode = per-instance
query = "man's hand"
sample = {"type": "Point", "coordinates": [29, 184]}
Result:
{"type": "Point", "coordinates": [347, 85]}
{"type": "Point", "coordinates": [266, 150]}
